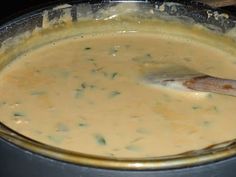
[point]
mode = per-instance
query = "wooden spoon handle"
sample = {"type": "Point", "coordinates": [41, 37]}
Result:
{"type": "Point", "coordinates": [212, 84]}
{"type": "Point", "coordinates": [218, 3]}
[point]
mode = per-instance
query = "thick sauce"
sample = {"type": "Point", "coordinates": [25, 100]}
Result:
{"type": "Point", "coordinates": [88, 95]}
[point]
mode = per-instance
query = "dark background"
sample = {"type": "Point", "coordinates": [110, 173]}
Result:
{"type": "Point", "coordinates": [13, 8]}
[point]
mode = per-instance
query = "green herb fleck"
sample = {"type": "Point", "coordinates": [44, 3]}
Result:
{"type": "Point", "coordinates": [87, 48]}
{"type": "Point", "coordinates": [187, 59]}
{"type": "Point", "coordinates": [92, 86]}
{"type": "Point", "coordinates": [114, 75]}
{"type": "Point", "coordinates": [195, 107]}
{"type": "Point", "coordinates": [209, 95]}
{"type": "Point", "coordinates": [133, 148]}
{"type": "Point", "coordinates": [113, 51]}
{"type": "Point", "coordinates": [127, 46]}
{"type": "Point", "coordinates": [114, 93]}
{"type": "Point", "coordinates": [96, 70]}
{"type": "Point", "coordinates": [38, 93]}
{"type": "Point", "coordinates": [110, 154]}
{"type": "Point", "coordinates": [55, 139]}
{"type": "Point", "coordinates": [38, 132]}
{"type": "Point", "coordinates": [142, 131]}
{"type": "Point", "coordinates": [100, 140]}
{"type": "Point", "coordinates": [82, 125]}
{"type": "Point", "coordinates": [79, 92]}
{"type": "Point", "coordinates": [206, 123]}
{"type": "Point", "coordinates": [19, 114]}
{"type": "Point", "coordinates": [91, 59]}
{"type": "Point", "coordinates": [83, 85]}
{"type": "Point", "coordinates": [61, 127]}
{"type": "Point", "coordinates": [64, 73]}
{"type": "Point", "coordinates": [148, 55]}
{"type": "Point", "coordinates": [3, 103]}
{"type": "Point", "coordinates": [215, 108]}
{"type": "Point", "coordinates": [137, 139]}
{"type": "Point", "coordinates": [105, 73]}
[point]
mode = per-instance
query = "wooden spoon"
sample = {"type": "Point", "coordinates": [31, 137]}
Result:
{"type": "Point", "coordinates": [218, 3]}
{"type": "Point", "coordinates": [181, 78]}
{"type": "Point", "coordinates": [212, 84]}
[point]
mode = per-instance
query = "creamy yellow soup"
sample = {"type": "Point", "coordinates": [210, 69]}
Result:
{"type": "Point", "coordinates": [87, 94]}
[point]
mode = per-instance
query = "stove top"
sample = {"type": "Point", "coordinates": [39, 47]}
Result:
{"type": "Point", "coordinates": [12, 8]}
